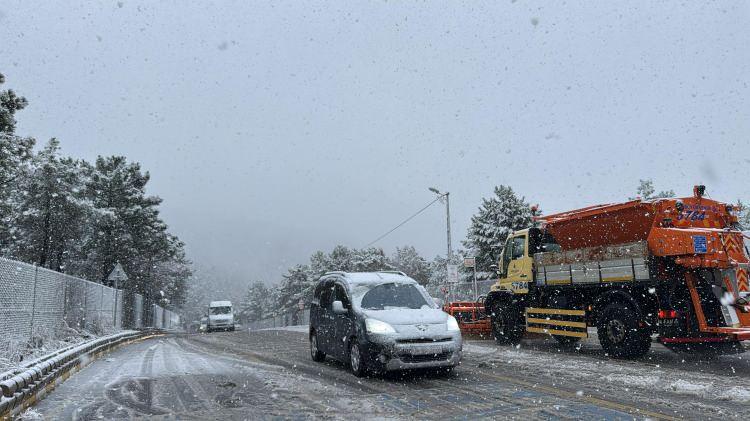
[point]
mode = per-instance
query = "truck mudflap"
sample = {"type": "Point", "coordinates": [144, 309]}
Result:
{"type": "Point", "coordinates": [734, 307]}
{"type": "Point", "coordinates": [556, 321]}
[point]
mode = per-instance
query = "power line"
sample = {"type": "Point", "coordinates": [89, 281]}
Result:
{"type": "Point", "coordinates": [404, 221]}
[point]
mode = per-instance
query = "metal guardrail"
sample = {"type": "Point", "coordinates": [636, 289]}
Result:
{"type": "Point", "coordinates": [21, 388]}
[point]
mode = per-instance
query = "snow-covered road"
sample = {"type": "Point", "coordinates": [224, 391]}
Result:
{"type": "Point", "coordinates": [267, 374]}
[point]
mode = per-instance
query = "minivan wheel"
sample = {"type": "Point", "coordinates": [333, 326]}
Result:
{"type": "Point", "coordinates": [314, 351]}
{"type": "Point", "coordinates": [355, 359]}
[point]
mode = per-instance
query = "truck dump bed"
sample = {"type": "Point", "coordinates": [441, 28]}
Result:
{"type": "Point", "coordinates": [593, 265]}
{"type": "Point", "coordinates": [601, 225]}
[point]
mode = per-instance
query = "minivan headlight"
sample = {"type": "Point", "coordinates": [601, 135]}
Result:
{"type": "Point", "coordinates": [376, 326]}
{"type": "Point", "coordinates": [452, 324]}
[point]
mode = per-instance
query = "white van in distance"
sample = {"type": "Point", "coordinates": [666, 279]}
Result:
{"type": "Point", "coordinates": [220, 316]}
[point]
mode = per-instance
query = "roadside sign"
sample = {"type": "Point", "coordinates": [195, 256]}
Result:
{"type": "Point", "coordinates": [117, 274]}
{"type": "Point", "coordinates": [452, 274]}
{"type": "Point", "coordinates": [469, 262]}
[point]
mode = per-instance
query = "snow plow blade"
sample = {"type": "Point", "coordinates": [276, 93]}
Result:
{"type": "Point", "coordinates": [471, 317]}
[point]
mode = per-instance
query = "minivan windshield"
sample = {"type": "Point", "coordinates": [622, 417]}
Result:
{"type": "Point", "coordinates": [389, 296]}
{"type": "Point", "coordinates": [220, 310]}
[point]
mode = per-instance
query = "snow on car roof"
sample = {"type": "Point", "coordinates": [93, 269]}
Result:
{"type": "Point", "coordinates": [220, 304]}
{"type": "Point", "coordinates": [364, 278]}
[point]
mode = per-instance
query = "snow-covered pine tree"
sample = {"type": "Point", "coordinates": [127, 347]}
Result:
{"type": "Point", "coordinates": [80, 218]}
{"type": "Point", "coordinates": [497, 217]}
{"type": "Point", "coordinates": [256, 302]}
{"type": "Point", "coordinates": [127, 229]}
{"type": "Point", "coordinates": [297, 285]}
{"type": "Point", "coordinates": [743, 214]}
{"type": "Point", "coordinates": [171, 274]}
{"type": "Point", "coordinates": [340, 259]}
{"type": "Point", "coordinates": [408, 260]}
{"type": "Point", "coordinates": [10, 103]}
{"type": "Point", "coordinates": [646, 191]}
{"type": "Point", "coordinates": [369, 260]}
{"type": "Point", "coordinates": [52, 220]}
{"type": "Point", "coordinates": [320, 263]}
{"type": "Point", "coordinates": [15, 155]}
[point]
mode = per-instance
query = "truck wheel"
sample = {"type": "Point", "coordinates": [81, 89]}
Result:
{"type": "Point", "coordinates": [619, 333]}
{"type": "Point", "coordinates": [506, 327]}
{"type": "Point", "coordinates": [315, 353]}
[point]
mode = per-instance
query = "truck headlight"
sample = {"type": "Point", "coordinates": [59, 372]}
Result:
{"type": "Point", "coordinates": [376, 326]}
{"type": "Point", "coordinates": [452, 324]}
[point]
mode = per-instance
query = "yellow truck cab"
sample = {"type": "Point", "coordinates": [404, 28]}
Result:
{"type": "Point", "coordinates": [516, 263]}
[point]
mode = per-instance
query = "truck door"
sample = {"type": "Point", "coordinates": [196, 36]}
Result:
{"type": "Point", "coordinates": [520, 264]}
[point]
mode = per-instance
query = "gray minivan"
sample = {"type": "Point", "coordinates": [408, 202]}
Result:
{"type": "Point", "coordinates": [380, 321]}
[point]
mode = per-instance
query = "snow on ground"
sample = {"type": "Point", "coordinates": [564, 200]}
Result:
{"type": "Point", "coordinates": [30, 414]}
{"type": "Point", "coordinates": [630, 374]}
{"type": "Point", "coordinates": [15, 357]}
{"type": "Point", "coordinates": [300, 328]}
{"type": "Point", "coordinates": [288, 388]}
{"type": "Point", "coordinates": [478, 349]}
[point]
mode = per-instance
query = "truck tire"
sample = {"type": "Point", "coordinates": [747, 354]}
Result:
{"type": "Point", "coordinates": [506, 324]}
{"type": "Point", "coordinates": [619, 333]}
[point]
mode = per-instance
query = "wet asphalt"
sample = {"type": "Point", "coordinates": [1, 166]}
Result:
{"type": "Point", "coordinates": [269, 375]}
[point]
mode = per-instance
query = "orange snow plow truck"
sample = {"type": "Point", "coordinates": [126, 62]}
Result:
{"type": "Point", "coordinates": [676, 268]}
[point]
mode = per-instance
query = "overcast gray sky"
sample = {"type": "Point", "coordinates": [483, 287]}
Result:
{"type": "Point", "coordinates": [272, 130]}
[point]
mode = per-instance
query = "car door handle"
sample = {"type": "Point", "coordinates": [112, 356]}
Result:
{"type": "Point", "coordinates": [523, 276]}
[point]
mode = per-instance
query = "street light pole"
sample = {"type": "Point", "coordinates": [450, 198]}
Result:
{"type": "Point", "coordinates": [448, 223]}
{"type": "Point", "coordinates": [446, 195]}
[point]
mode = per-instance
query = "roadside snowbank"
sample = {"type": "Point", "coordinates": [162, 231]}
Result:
{"type": "Point", "coordinates": [15, 357]}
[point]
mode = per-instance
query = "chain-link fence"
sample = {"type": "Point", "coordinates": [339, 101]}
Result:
{"type": "Point", "coordinates": [38, 304]}
{"type": "Point", "coordinates": [462, 291]}
{"type": "Point", "coordinates": [164, 319]}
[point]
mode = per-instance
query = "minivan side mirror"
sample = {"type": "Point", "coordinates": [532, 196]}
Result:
{"type": "Point", "coordinates": [338, 307]}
